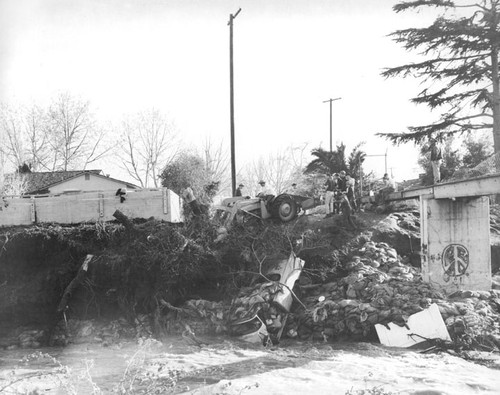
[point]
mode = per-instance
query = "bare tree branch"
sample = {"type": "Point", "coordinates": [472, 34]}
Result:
{"type": "Point", "coordinates": [148, 143]}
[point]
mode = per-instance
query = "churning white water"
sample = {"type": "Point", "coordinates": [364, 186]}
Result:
{"type": "Point", "coordinates": [231, 367]}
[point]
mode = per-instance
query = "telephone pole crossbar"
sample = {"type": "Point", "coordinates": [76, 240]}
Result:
{"type": "Point", "coordinates": [385, 159]}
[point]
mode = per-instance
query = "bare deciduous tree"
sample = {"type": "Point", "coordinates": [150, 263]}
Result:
{"type": "Point", "coordinates": [217, 164]}
{"type": "Point", "coordinates": [2, 165]}
{"type": "Point", "coordinates": [12, 146]}
{"type": "Point", "coordinates": [75, 138]}
{"type": "Point", "coordinates": [279, 170]}
{"type": "Point", "coordinates": [25, 135]}
{"type": "Point", "coordinates": [148, 143]}
{"type": "Point", "coordinates": [14, 184]}
{"type": "Point", "coordinates": [63, 136]}
{"type": "Point", "coordinates": [37, 134]}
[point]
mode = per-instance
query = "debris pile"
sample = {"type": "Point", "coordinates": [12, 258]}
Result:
{"type": "Point", "coordinates": [30, 338]}
{"type": "Point", "coordinates": [381, 288]}
{"type": "Point", "coordinates": [236, 318]}
{"type": "Point", "coordinates": [157, 275]}
{"type": "Point", "coordinates": [472, 316]}
{"type": "Point", "coordinates": [105, 333]}
{"type": "Point", "coordinates": [203, 316]}
{"type": "Point", "coordinates": [257, 301]}
{"type": "Point", "coordinates": [252, 300]}
{"type": "Point", "coordinates": [378, 287]}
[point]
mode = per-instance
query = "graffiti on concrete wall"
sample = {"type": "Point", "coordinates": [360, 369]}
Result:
{"type": "Point", "coordinates": [455, 261]}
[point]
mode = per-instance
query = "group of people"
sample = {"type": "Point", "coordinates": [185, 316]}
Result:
{"type": "Point", "coordinates": [339, 186]}
{"type": "Point", "coordinates": [336, 185]}
{"type": "Point", "coordinates": [263, 190]}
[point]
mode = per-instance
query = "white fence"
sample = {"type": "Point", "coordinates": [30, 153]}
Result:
{"type": "Point", "coordinates": [94, 206]}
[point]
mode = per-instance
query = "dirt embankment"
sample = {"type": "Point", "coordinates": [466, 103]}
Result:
{"type": "Point", "coordinates": [142, 272]}
{"type": "Point", "coordinates": [131, 270]}
{"type": "Point", "coordinates": [136, 268]}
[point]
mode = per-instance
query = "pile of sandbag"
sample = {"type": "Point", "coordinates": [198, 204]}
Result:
{"type": "Point", "coordinates": [105, 333]}
{"type": "Point", "coordinates": [381, 288]}
{"type": "Point", "coordinates": [474, 314]}
{"type": "Point", "coordinates": [30, 338]}
{"type": "Point", "coordinates": [203, 316]}
{"type": "Point", "coordinates": [251, 300]}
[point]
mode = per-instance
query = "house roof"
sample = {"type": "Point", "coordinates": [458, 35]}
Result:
{"type": "Point", "coordinates": [37, 182]}
{"type": "Point", "coordinates": [40, 182]}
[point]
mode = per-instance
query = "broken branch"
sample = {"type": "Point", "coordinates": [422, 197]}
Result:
{"type": "Point", "coordinates": [123, 219]}
{"type": "Point", "coordinates": [74, 283]}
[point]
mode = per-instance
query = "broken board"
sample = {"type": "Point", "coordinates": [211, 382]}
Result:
{"type": "Point", "coordinates": [427, 324]}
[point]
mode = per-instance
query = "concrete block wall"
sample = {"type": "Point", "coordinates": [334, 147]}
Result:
{"type": "Point", "coordinates": [161, 204]}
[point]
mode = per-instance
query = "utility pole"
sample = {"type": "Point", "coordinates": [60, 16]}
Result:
{"type": "Point", "coordinates": [231, 100]}
{"type": "Point", "coordinates": [361, 178]}
{"type": "Point", "coordinates": [330, 101]}
{"type": "Point", "coordinates": [385, 159]}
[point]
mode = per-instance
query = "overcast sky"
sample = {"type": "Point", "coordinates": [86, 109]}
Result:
{"type": "Point", "coordinates": [290, 56]}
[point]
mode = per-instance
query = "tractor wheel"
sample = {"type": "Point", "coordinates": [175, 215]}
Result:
{"type": "Point", "coordinates": [285, 208]}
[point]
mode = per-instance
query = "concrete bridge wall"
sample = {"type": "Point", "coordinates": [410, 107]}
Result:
{"type": "Point", "coordinates": [456, 251]}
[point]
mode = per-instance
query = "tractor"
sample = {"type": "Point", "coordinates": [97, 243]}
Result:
{"type": "Point", "coordinates": [284, 207]}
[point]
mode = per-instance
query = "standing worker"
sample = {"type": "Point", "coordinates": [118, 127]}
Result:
{"type": "Point", "coordinates": [331, 185]}
{"type": "Point", "coordinates": [238, 190]}
{"type": "Point", "coordinates": [341, 199]}
{"type": "Point", "coordinates": [388, 187]}
{"type": "Point", "coordinates": [436, 159]}
{"type": "Point", "coordinates": [188, 196]}
{"type": "Point", "coordinates": [351, 182]}
{"type": "Point", "coordinates": [342, 181]}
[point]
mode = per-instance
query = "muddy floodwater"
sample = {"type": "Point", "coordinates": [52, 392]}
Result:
{"type": "Point", "coordinates": [231, 367]}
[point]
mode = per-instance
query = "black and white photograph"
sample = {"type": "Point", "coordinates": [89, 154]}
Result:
{"type": "Point", "coordinates": [250, 197]}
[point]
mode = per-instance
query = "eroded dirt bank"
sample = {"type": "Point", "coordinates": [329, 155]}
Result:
{"type": "Point", "coordinates": [142, 273]}
{"type": "Point", "coordinates": [149, 279]}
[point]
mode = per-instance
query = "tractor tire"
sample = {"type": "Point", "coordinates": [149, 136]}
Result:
{"type": "Point", "coordinates": [285, 208]}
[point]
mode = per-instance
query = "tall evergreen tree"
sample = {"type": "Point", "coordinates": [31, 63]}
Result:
{"type": "Point", "coordinates": [476, 151]}
{"type": "Point", "coordinates": [461, 68]}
